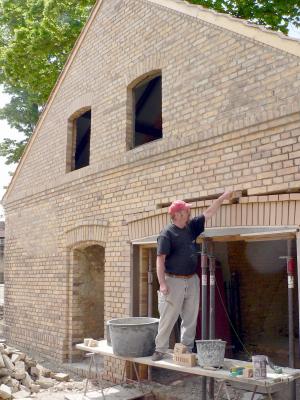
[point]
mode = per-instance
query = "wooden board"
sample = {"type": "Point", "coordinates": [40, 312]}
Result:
{"type": "Point", "coordinates": [271, 383]}
{"type": "Point", "coordinates": [112, 393]}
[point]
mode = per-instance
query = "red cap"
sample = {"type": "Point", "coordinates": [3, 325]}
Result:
{"type": "Point", "coordinates": [178, 205]}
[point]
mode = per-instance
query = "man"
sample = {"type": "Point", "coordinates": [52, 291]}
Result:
{"type": "Point", "coordinates": [176, 265]}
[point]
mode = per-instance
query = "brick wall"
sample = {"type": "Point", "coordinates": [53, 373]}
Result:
{"type": "Point", "coordinates": [263, 296]}
{"type": "Point", "coordinates": [230, 119]}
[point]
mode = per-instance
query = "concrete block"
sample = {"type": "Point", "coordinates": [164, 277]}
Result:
{"type": "Point", "coordinates": [35, 388]}
{"type": "Point", "coordinates": [4, 372]}
{"type": "Point", "coordinates": [61, 377]}
{"type": "Point", "coordinates": [17, 357]}
{"type": "Point", "coordinates": [27, 381]}
{"type": "Point", "coordinates": [8, 363]}
{"type": "Point", "coordinates": [45, 383]}
{"type": "Point", "coordinates": [21, 395]}
{"type": "Point", "coordinates": [19, 370]}
{"type": "Point", "coordinates": [2, 364]}
{"type": "Point", "coordinates": [5, 392]}
{"type": "Point", "coordinates": [14, 384]}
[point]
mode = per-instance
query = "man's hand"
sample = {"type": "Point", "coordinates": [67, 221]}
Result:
{"type": "Point", "coordinates": [164, 289]}
{"type": "Point", "coordinates": [227, 195]}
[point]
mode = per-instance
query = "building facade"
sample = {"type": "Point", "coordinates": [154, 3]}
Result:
{"type": "Point", "coordinates": [159, 100]}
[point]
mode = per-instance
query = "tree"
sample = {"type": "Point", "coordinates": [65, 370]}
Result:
{"type": "Point", "coordinates": [36, 37]}
{"type": "Point", "coordinates": [273, 14]}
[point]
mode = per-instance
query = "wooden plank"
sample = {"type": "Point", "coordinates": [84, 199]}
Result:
{"type": "Point", "coordinates": [278, 213]}
{"type": "Point", "coordinates": [151, 226]}
{"type": "Point", "coordinates": [292, 208]}
{"type": "Point", "coordinates": [214, 220]}
{"type": "Point", "coordinates": [244, 214]}
{"type": "Point", "coordinates": [141, 228]}
{"type": "Point", "coordinates": [208, 223]}
{"type": "Point", "coordinates": [250, 214]}
{"type": "Point", "coordinates": [130, 231]}
{"type": "Point", "coordinates": [238, 214]}
{"type": "Point", "coordinates": [117, 392]}
{"type": "Point", "coordinates": [166, 219]}
{"type": "Point", "coordinates": [223, 216]}
{"type": "Point", "coordinates": [228, 213]}
{"type": "Point", "coordinates": [267, 214]}
{"type": "Point", "coordinates": [261, 213]}
{"type": "Point", "coordinates": [285, 213]}
{"type": "Point", "coordinates": [275, 235]}
{"type": "Point", "coordinates": [168, 363]}
{"type": "Point", "coordinates": [156, 225]}
{"type": "Point", "coordinates": [146, 227]}
{"type": "Point", "coordinates": [218, 217]}
{"type": "Point", "coordinates": [297, 213]}
{"type": "Point", "coordinates": [273, 214]}
{"type": "Point", "coordinates": [233, 216]}
{"type": "Point", "coordinates": [255, 214]}
{"type": "Point", "coordinates": [161, 221]}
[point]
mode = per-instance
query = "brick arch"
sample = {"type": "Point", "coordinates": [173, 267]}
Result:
{"type": "Point", "coordinates": [149, 74]}
{"type": "Point", "coordinates": [86, 235]}
{"type": "Point", "coordinates": [265, 211]}
{"type": "Point", "coordinates": [78, 112]}
{"type": "Point", "coordinates": [79, 103]}
{"type": "Point", "coordinates": [144, 67]}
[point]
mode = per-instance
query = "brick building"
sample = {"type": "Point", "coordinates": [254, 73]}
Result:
{"type": "Point", "coordinates": [159, 99]}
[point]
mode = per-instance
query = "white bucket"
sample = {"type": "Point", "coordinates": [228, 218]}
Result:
{"type": "Point", "coordinates": [259, 367]}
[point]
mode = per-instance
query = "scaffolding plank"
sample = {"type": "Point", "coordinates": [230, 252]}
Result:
{"type": "Point", "coordinates": [267, 214]}
{"type": "Point", "coordinates": [292, 207]}
{"type": "Point", "coordinates": [285, 213]}
{"type": "Point", "coordinates": [111, 393]}
{"type": "Point", "coordinates": [261, 213]}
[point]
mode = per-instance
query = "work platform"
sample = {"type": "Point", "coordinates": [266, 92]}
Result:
{"type": "Point", "coordinates": [274, 382]}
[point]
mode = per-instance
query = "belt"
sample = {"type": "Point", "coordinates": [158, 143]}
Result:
{"type": "Point", "coordinates": [179, 275]}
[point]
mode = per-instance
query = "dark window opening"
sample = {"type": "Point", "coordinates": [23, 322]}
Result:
{"type": "Point", "coordinates": [82, 131]}
{"type": "Point", "coordinates": [147, 111]}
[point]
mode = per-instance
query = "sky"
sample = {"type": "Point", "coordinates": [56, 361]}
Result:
{"type": "Point", "coordinates": [6, 131]}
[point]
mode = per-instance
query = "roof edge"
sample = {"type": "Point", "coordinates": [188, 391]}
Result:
{"type": "Point", "coordinates": [255, 32]}
{"type": "Point", "coordinates": [252, 31]}
{"type": "Point", "coordinates": [53, 93]}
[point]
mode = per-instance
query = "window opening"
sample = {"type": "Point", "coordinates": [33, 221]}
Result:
{"type": "Point", "coordinates": [147, 111]}
{"type": "Point", "coordinates": [82, 133]}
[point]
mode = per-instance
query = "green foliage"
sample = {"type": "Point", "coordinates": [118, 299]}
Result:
{"type": "Point", "coordinates": [36, 37]}
{"type": "Point", "coordinates": [21, 114]}
{"type": "Point", "coordinates": [273, 14]}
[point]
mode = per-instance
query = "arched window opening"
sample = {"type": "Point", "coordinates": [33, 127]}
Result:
{"type": "Point", "coordinates": [147, 109]}
{"type": "Point", "coordinates": [79, 136]}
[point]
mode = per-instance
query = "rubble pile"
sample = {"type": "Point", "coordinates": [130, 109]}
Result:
{"type": "Point", "coordinates": [21, 377]}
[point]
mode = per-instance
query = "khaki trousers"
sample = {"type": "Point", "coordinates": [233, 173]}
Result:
{"type": "Point", "coordinates": [183, 300]}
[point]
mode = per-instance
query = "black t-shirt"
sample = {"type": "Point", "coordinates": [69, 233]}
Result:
{"type": "Point", "coordinates": [178, 244]}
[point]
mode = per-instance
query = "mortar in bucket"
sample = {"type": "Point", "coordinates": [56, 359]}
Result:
{"type": "Point", "coordinates": [259, 366]}
{"type": "Point", "coordinates": [134, 336]}
{"type": "Point", "coordinates": [211, 353]}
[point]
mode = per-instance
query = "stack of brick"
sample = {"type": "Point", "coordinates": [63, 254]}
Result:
{"type": "Point", "coordinates": [21, 376]}
{"type": "Point", "coordinates": [181, 356]}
